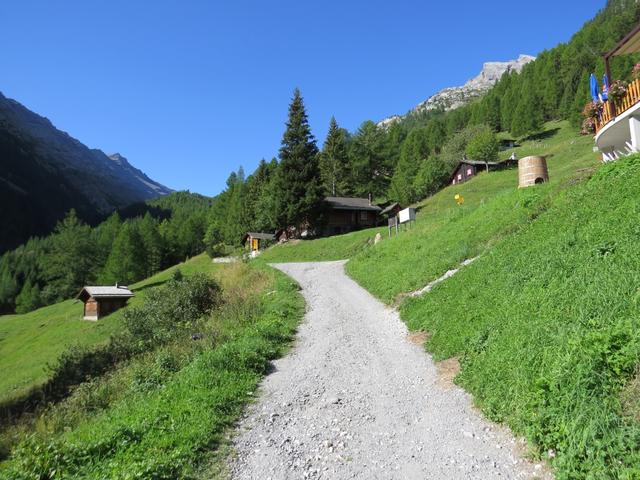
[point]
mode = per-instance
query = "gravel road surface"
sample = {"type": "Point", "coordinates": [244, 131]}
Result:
{"type": "Point", "coordinates": [356, 399]}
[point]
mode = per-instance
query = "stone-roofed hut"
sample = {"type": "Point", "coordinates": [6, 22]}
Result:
{"type": "Point", "coordinates": [100, 301]}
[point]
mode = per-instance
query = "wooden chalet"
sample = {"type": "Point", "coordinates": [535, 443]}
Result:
{"type": "Point", "coordinates": [346, 214]}
{"type": "Point", "coordinates": [256, 241]}
{"type": "Point", "coordinates": [467, 169]}
{"type": "Point", "coordinates": [100, 301]}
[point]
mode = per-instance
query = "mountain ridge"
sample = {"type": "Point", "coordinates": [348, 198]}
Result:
{"type": "Point", "coordinates": [450, 98]}
{"type": "Point", "coordinates": [45, 172]}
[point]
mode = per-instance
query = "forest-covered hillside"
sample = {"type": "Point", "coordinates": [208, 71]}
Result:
{"type": "Point", "coordinates": [46, 172]}
{"type": "Point", "coordinates": [128, 246]}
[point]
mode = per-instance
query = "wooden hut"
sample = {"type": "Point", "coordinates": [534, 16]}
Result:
{"type": "Point", "coordinates": [255, 241]}
{"type": "Point", "coordinates": [467, 169]}
{"type": "Point", "coordinates": [346, 214]}
{"type": "Point", "coordinates": [101, 301]}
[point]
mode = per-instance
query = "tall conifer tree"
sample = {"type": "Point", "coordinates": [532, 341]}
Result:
{"type": "Point", "coordinates": [298, 192]}
{"type": "Point", "coordinates": [334, 162]}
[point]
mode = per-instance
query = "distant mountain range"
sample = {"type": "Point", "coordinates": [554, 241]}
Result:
{"type": "Point", "coordinates": [454, 97]}
{"type": "Point", "coordinates": [46, 172]}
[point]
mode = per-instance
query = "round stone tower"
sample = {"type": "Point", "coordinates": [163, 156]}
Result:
{"type": "Point", "coordinates": [532, 170]}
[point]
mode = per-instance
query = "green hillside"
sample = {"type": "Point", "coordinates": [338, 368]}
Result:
{"type": "Point", "coordinates": [161, 411]}
{"type": "Point", "coordinates": [29, 342]}
{"type": "Point", "coordinates": [434, 250]}
{"type": "Point", "coordinates": [546, 326]}
{"type": "Point", "coordinates": [545, 323]}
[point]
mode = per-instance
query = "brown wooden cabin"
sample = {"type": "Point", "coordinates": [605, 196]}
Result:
{"type": "Point", "coordinates": [467, 169]}
{"type": "Point", "coordinates": [346, 214]}
{"type": "Point", "coordinates": [255, 241]}
{"type": "Point", "coordinates": [101, 301]}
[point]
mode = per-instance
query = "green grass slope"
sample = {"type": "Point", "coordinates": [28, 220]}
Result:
{"type": "Point", "coordinates": [547, 327]}
{"type": "Point", "coordinates": [164, 413]}
{"type": "Point", "coordinates": [29, 342]}
{"type": "Point", "coordinates": [446, 234]}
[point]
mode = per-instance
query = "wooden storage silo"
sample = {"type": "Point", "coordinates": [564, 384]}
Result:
{"type": "Point", "coordinates": [532, 170]}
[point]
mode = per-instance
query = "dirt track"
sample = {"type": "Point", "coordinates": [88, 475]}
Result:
{"type": "Point", "coordinates": [355, 399]}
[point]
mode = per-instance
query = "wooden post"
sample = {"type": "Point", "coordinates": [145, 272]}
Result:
{"type": "Point", "coordinates": [609, 103]}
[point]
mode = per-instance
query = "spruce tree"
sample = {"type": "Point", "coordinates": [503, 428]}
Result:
{"type": "Point", "coordinates": [298, 190]}
{"type": "Point", "coordinates": [71, 261]}
{"type": "Point", "coordinates": [28, 299]}
{"type": "Point", "coordinates": [126, 263]}
{"type": "Point", "coordinates": [334, 162]}
{"type": "Point", "coordinates": [415, 150]}
{"type": "Point", "coordinates": [370, 172]}
{"type": "Point", "coordinates": [153, 244]}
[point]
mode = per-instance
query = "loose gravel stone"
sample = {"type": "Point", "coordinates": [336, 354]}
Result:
{"type": "Point", "coordinates": [355, 399]}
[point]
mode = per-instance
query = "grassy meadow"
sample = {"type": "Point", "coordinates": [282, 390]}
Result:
{"type": "Point", "coordinates": [164, 412]}
{"type": "Point", "coordinates": [30, 342]}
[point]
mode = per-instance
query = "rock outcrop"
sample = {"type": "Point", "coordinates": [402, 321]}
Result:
{"type": "Point", "coordinates": [453, 97]}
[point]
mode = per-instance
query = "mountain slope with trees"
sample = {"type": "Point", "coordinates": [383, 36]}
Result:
{"type": "Point", "coordinates": [46, 172]}
{"type": "Point", "coordinates": [413, 158]}
{"type": "Point", "coordinates": [128, 246]}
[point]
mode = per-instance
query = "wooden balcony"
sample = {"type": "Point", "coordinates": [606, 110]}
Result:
{"type": "Point", "coordinates": [609, 113]}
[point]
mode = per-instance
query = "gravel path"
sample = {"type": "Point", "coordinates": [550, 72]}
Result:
{"type": "Point", "coordinates": [355, 399]}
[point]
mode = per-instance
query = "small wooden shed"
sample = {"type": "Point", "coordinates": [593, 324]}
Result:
{"type": "Point", "coordinates": [100, 301]}
{"type": "Point", "coordinates": [255, 240]}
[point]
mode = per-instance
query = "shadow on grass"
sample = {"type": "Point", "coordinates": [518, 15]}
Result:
{"type": "Point", "coordinates": [542, 135]}
{"type": "Point", "coordinates": [150, 285]}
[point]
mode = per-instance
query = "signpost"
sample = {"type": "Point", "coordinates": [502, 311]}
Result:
{"type": "Point", "coordinates": [405, 216]}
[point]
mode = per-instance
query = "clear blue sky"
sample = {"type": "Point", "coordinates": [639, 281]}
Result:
{"type": "Point", "coordinates": [190, 90]}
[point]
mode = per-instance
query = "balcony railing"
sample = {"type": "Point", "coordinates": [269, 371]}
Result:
{"type": "Point", "coordinates": [631, 98]}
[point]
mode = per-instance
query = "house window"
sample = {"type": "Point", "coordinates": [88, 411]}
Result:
{"type": "Point", "coordinates": [364, 215]}
{"type": "Point", "coordinates": [469, 171]}
{"type": "Point", "coordinates": [459, 176]}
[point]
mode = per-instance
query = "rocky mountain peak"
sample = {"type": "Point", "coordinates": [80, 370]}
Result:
{"type": "Point", "coordinates": [454, 97]}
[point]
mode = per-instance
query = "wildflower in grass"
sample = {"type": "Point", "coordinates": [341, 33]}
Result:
{"type": "Point", "coordinates": [459, 199]}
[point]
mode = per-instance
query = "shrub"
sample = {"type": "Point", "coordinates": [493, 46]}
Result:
{"type": "Point", "coordinates": [171, 311]}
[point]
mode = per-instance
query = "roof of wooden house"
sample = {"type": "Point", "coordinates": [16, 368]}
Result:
{"type": "Point", "coordinates": [481, 163]}
{"type": "Point", "coordinates": [260, 235]}
{"type": "Point", "coordinates": [116, 291]}
{"type": "Point", "coordinates": [351, 203]}
{"type": "Point", "coordinates": [390, 208]}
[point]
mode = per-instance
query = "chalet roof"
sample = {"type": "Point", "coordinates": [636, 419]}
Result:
{"type": "Point", "coordinates": [464, 161]}
{"type": "Point", "coordinates": [390, 208]}
{"type": "Point", "coordinates": [476, 162]}
{"type": "Point", "coordinates": [260, 235]}
{"type": "Point", "coordinates": [351, 203]}
{"type": "Point", "coordinates": [105, 292]}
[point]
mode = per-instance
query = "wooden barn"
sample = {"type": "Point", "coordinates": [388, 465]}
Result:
{"type": "Point", "coordinates": [256, 241]}
{"type": "Point", "coordinates": [346, 214]}
{"type": "Point", "coordinates": [467, 169]}
{"type": "Point", "coordinates": [101, 301]}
